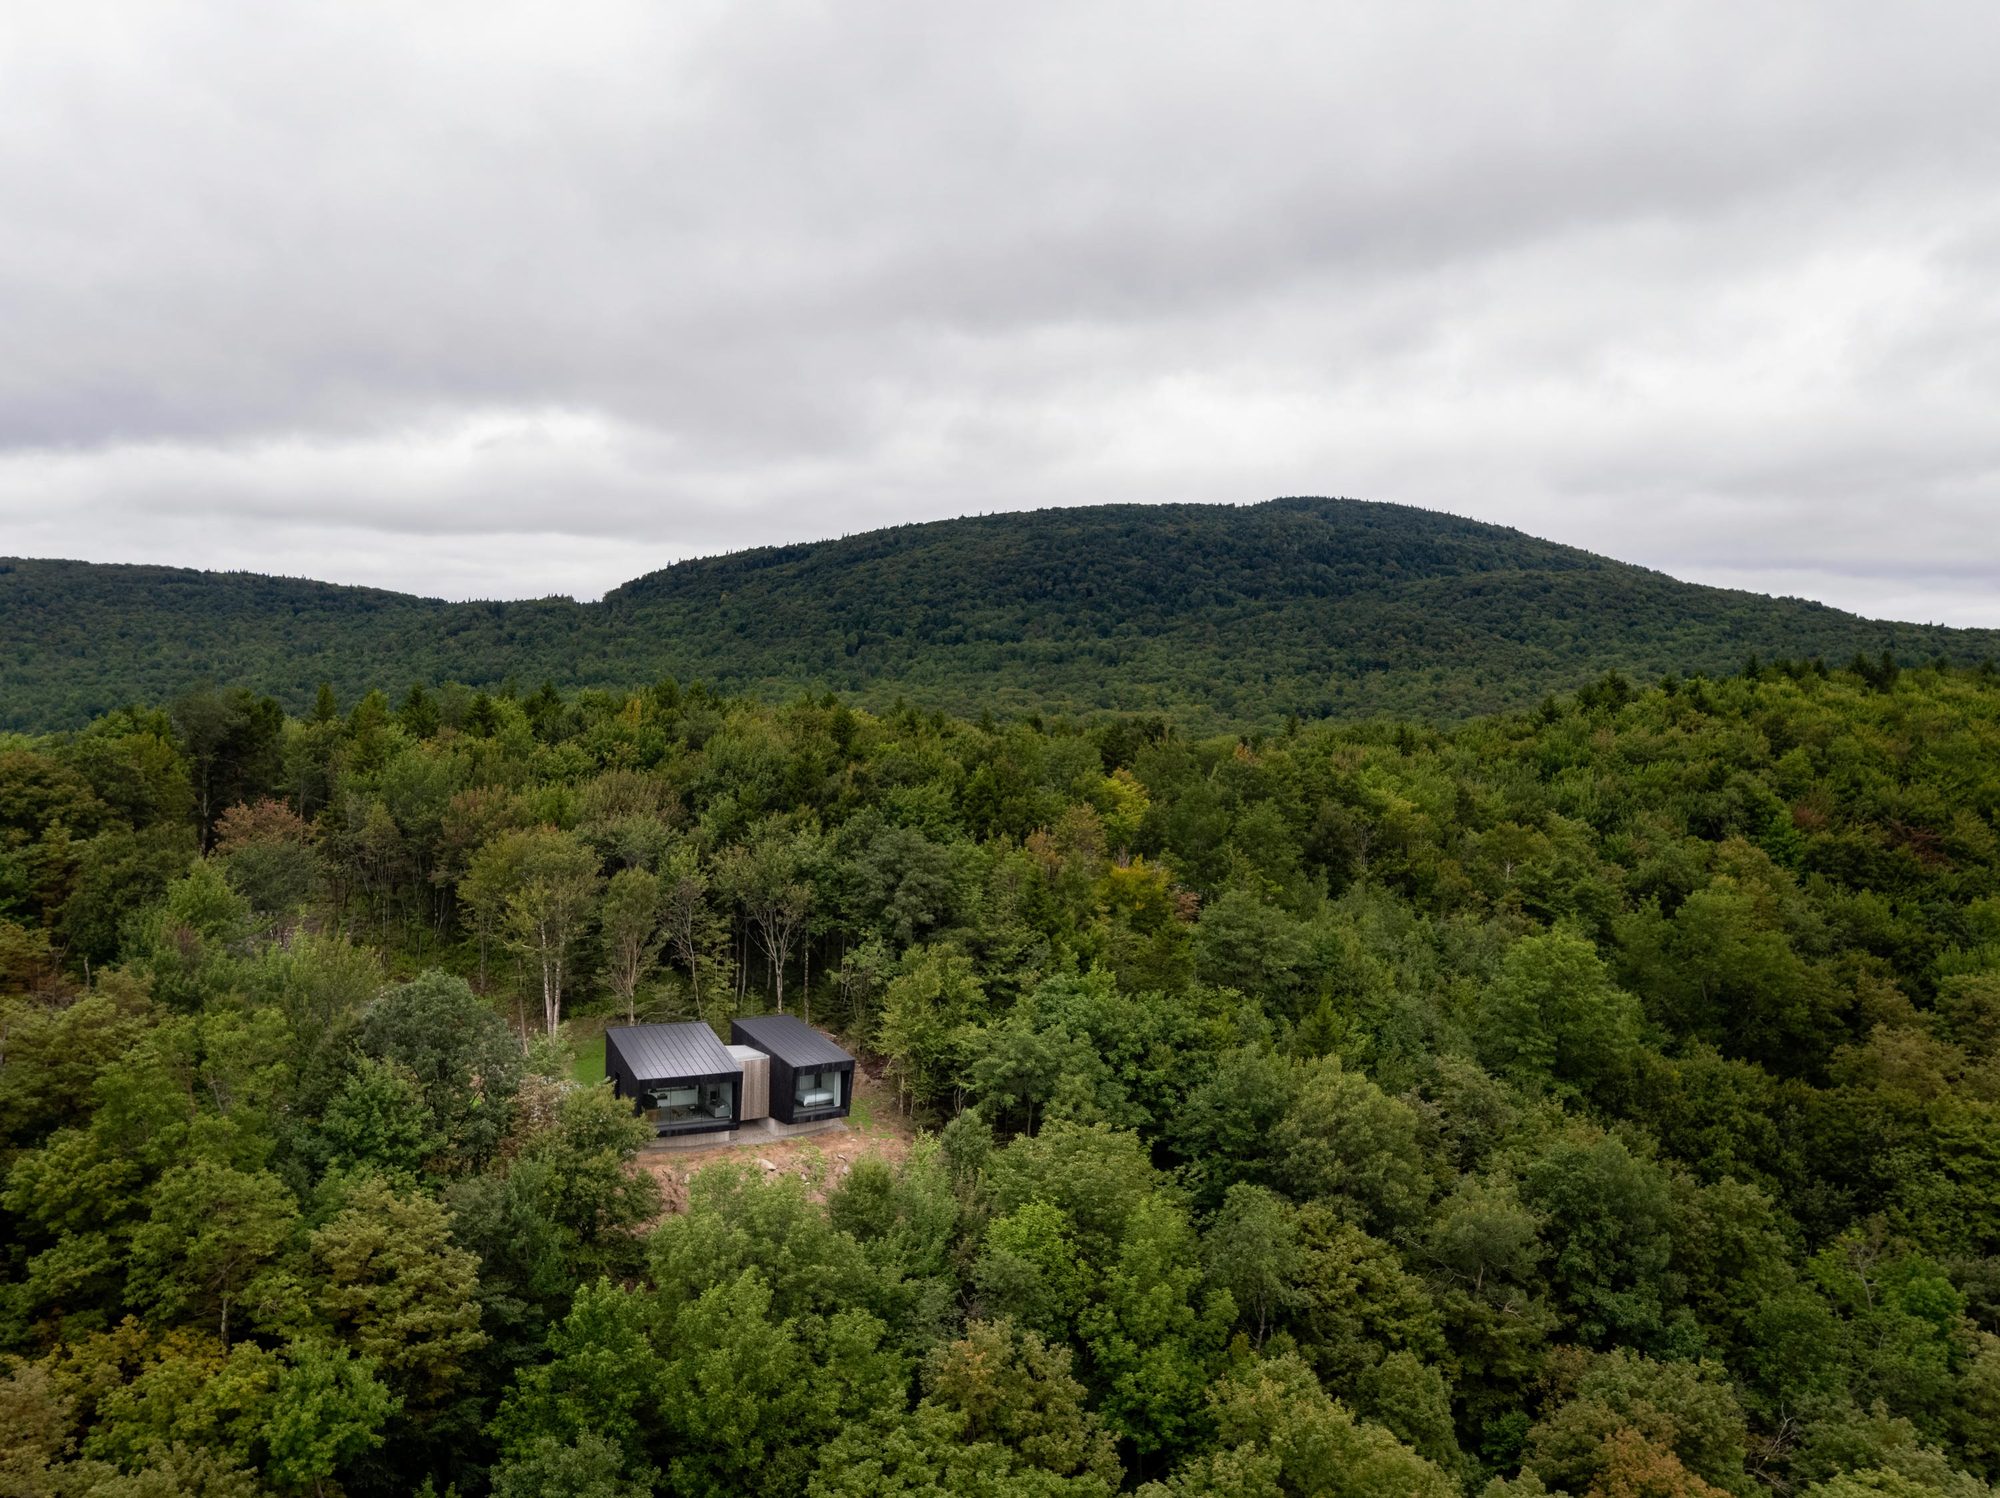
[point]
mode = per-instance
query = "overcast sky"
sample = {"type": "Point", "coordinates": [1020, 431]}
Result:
{"type": "Point", "coordinates": [502, 300]}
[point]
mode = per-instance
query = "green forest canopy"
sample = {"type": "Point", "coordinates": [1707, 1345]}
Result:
{"type": "Point", "coordinates": [1228, 617]}
{"type": "Point", "coordinates": [1596, 1101]}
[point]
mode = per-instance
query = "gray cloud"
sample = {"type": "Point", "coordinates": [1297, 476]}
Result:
{"type": "Point", "coordinates": [509, 299]}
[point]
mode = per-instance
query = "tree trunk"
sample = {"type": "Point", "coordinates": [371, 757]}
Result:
{"type": "Point", "coordinates": [551, 987]}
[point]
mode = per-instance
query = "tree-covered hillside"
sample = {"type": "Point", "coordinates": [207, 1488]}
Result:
{"type": "Point", "coordinates": [1226, 616]}
{"type": "Point", "coordinates": [1599, 1101]}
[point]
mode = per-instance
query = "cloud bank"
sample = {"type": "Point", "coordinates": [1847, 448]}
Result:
{"type": "Point", "coordinates": [503, 300]}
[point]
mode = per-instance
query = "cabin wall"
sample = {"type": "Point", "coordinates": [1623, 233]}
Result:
{"type": "Point", "coordinates": [623, 1083]}
{"type": "Point", "coordinates": [781, 1090]}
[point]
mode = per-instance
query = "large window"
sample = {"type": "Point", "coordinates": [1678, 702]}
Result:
{"type": "Point", "coordinates": [690, 1104]}
{"type": "Point", "coordinates": [816, 1089]}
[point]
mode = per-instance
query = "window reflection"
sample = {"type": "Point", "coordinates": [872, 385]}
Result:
{"type": "Point", "coordinates": [816, 1089]}
{"type": "Point", "coordinates": [690, 1104]}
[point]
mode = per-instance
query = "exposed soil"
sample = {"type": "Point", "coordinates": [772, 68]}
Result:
{"type": "Point", "coordinates": [875, 1126]}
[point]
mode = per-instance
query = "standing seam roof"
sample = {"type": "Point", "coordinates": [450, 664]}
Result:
{"type": "Point", "coordinates": [655, 1052]}
{"type": "Point", "coordinates": [792, 1040]}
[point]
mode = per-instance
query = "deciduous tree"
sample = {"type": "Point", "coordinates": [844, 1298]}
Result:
{"type": "Point", "coordinates": [630, 921]}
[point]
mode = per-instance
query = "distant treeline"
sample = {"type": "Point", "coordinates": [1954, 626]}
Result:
{"type": "Point", "coordinates": [1225, 617]}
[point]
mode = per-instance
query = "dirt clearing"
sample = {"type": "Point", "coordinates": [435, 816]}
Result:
{"type": "Point", "coordinates": [874, 1127]}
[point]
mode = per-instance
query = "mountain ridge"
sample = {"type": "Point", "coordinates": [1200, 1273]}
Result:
{"type": "Point", "coordinates": [1225, 615]}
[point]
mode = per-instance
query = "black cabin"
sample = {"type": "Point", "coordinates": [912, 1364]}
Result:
{"type": "Point", "coordinates": [680, 1078]}
{"type": "Point", "coordinates": [811, 1077]}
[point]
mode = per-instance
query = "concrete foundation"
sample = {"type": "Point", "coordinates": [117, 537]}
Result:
{"type": "Point", "coordinates": [708, 1139]}
{"type": "Point", "coordinates": [773, 1129]}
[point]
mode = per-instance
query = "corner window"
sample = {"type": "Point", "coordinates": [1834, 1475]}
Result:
{"type": "Point", "coordinates": [817, 1089]}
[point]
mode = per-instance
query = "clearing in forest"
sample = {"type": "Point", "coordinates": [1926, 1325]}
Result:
{"type": "Point", "coordinates": [875, 1127]}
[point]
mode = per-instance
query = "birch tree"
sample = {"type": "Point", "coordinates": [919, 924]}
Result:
{"type": "Point", "coordinates": [769, 877]}
{"type": "Point", "coordinates": [695, 931]}
{"type": "Point", "coordinates": [541, 884]}
{"type": "Point", "coordinates": [632, 933]}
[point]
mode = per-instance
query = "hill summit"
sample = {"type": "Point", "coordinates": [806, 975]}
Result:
{"type": "Point", "coordinates": [1222, 615]}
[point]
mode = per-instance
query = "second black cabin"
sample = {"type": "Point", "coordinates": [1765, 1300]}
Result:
{"type": "Point", "coordinates": [811, 1077]}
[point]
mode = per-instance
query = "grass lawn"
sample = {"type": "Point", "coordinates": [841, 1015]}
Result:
{"type": "Point", "coordinates": [589, 1068]}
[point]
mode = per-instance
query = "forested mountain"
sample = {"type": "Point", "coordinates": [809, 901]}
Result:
{"type": "Point", "coordinates": [1226, 616]}
{"type": "Point", "coordinates": [1599, 1101]}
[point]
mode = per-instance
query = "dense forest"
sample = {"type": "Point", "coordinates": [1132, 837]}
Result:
{"type": "Point", "coordinates": [1231, 618]}
{"type": "Point", "coordinates": [1599, 1100]}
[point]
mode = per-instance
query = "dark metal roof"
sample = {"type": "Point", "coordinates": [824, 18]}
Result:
{"type": "Point", "coordinates": [791, 1040]}
{"type": "Point", "coordinates": [652, 1053]}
